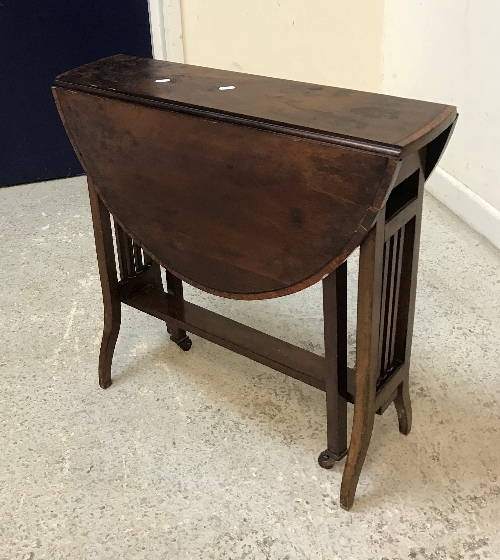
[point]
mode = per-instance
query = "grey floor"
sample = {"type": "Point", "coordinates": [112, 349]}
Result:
{"type": "Point", "coordinates": [208, 455]}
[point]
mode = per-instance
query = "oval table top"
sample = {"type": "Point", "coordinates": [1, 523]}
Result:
{"type": "Point", "coordinates": [251, 192]}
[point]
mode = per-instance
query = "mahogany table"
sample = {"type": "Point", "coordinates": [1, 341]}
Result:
{"type": "Point", "coordinates": [250, 188]}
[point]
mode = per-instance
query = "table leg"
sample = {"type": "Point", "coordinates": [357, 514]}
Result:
{"type": "Point", "coordinates": [109, 283]}
{"type": "Point", "coordinates": [367, 357]}
{"type": "Point", "coordinates": [402, 403]}
{"type": "Point", "coordinates": [174, 288]}
{"type": "Point", "coordinates": [404, 328]}
{"type": "Point", "coordinates": [335, 329]}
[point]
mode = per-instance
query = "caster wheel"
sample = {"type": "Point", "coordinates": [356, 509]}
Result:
{"type": "Point", "coordinates": [327, 459]}
{"type": "Point", "coordinates": [184, 343]}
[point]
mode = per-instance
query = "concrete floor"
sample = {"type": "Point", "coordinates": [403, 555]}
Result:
{"type": "Point", "coordinates": [208, 455]}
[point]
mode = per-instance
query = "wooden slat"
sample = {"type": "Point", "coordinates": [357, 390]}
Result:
{"type": "Point", "coordinates": [386, 311]}
{"type": "Point", "coordinates": [407, 297]}
{"type": "Point", "coordinates": [263, 348]}
{"type": "Point", "coordinates": [390, 303]}
{"type": "Point", "coordinates": [138, 262]}
{"type": "Point", "coordinates": [383, 313]}
{"type": "Point", "coordinates": [401, 218]}
{"type": "Point", "coordinates": [124, 249]}
{"type": "Point", "coordinates": [395, 307]}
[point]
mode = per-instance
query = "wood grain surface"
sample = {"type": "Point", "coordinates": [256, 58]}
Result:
{"type": "Point", "coordinates": [384, 123]}
{"type": "Point", "coordinates": [253, 192]}
{"type": "Point", "coordinates": [230, 209]}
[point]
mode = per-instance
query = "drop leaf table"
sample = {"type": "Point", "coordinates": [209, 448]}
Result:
{"type": "Point", "coordinates": [251, 187]}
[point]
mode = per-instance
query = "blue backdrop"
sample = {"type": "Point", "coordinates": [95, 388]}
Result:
{"type": "Point", "coordinates": [39, 40]}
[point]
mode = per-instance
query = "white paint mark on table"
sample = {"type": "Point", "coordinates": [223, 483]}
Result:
{"type": "Point", "coordinates": [222, 88]}
{"type": "Point", "coordinates": [163, 80]}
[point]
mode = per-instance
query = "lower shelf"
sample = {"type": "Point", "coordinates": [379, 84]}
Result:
{"type": "Point", "coordinates": [263, 348]}
{"type": "Point", "coordinates": [252, 343]}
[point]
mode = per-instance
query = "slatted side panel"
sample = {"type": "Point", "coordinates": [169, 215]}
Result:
{"type": "Point", "coordinates": [131, 258]}
{"type": "Point", "coordinates": [391, 296]}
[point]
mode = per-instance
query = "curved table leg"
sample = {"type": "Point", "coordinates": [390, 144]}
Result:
{"type": "Point", "coordinates": [404, 330]}
{"type": "Point", "coordinates": [367, 354]}
{"type": "Point", "coordinates": [109, 284]}
{"type": "Point", "coordinates": [112, 321]}
{"type": "Point", "coordinates": [364, 417]}
{"type": "Point", "coordinates": [402, 403]}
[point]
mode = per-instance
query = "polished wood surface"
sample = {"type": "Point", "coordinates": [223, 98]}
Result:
{"type": "Point", "coordinates": [253, 193]}
{"type": "Point", "coordinates": [383, 123]}
{"type": "Point", "coordinates": [208, 199]}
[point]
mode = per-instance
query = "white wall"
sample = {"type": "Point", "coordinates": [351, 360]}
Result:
{"type": "Point", "coordinates": [166, 30]}
{"type": "Point", "coordinates": [440, 50]}
{"type": "Point", "coordinates": [448, 51]}
{"type": "Point", "coordinates": [334, 42]}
